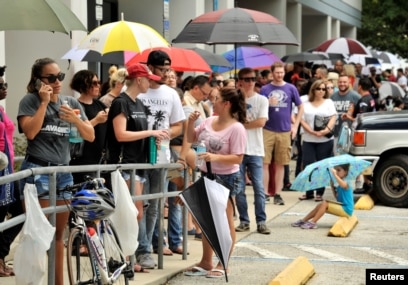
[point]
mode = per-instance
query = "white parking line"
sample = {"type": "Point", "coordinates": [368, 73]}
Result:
{"type": "Point", "coordinates": [382, 254]}
{"type": "Point", "coordinates": [324, 253]}
{"type": "Point", "coordinates": [262, 252]}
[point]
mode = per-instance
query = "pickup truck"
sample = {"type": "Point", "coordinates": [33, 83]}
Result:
{"type": "Point", "coordinates": [382, 138]}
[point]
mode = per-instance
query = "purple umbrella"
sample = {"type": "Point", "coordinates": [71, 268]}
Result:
{"type": "Point", "coordinates": [248, 56]}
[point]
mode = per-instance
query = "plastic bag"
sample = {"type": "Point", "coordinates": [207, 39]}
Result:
{"type": "Point", "coordinates": [124, 218]}
{"type": "Point", "coordinates": [35, 239]}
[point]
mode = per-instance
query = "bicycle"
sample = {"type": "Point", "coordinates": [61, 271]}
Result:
{"type": "Point", "coordinates": [92, 232]}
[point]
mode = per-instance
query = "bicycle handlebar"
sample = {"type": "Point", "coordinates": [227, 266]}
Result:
{"type": "Point", "coordinates": [94, 182]}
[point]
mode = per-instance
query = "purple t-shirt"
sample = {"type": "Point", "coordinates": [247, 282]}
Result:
{"type": "Point", "coordinates": [280, 116]}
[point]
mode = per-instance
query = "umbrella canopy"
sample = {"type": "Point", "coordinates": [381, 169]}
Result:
{"type": "Point", "coordinates": [343, 45]}
{"type": "Point", "coordinates": [211, 58]}
{"type": "Point", "coordinates": [181, 59]}
{"type": "Point", "coordinates": [40, 15]}
{"type": "Point", "coordinates": [304, 56]}
{"type": "Point", "coordinates": [117, 57]}
{"type": "Point", "coordinates": [390, 88]}
{"type": "Point", "coordinates": [236, 26]}
{"type": "Point", "coordinates": [363, 59]}
{"type": "Point", "coordinates": [388, 57]}
{"type": "Point", "coordinates": [207, 200]}
{"type": "Point", "coordinates": [247, 56]}
{"type": "Point", "coordinates": [317, 175]}
{"type": "Point", "coordinates": [122, 36]}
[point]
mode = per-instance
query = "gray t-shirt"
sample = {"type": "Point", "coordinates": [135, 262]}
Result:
{"type": "Point", "coordinates": [342, 104]}
{"type": "Point", "coordinates": [51, 144]}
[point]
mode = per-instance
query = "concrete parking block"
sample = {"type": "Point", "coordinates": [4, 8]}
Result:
{"type": "Point", "coordinates": [343, 226]}
{"type": "Point", "coordinates": [365, 202]}
{"type": "Point", "coordinates": [299, 271]}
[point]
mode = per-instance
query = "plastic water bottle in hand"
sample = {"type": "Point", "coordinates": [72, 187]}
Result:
{"type": "Point", "coordinates": [201, 148]}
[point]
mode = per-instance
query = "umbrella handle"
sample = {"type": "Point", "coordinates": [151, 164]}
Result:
{"type": "Point", "coordinates": [311, 173]}
{"type": "Point", "coordinates": [210, 175]}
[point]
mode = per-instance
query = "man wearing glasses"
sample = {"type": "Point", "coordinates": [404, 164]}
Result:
{"type": "Point", "coordinates": [165, 113]}
{"type": "Point", "coordinates": [257, 115]}
{"type": "Point", "coordinates": [199, 92]}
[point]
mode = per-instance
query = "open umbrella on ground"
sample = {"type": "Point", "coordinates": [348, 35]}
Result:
{"type": "Point", "coordinates": [207, 201]}
{"type": "Point", "coordinates": [116, 57]}
{"type": "Point", "coordinates": [122, 36]}
{"type": "Point", "coordinates": [181, 59]}
{"type": "Point", "coordinates": [211, 58]}
{"type": "Point", "coordinates": [236, 26]}
{"type": "Point", "coordinates": [363, 59]}
{"type": "Point", "coordinates": [248, 56]}
{"type": "Point", "coordinates": [304, 56]}
{"type": "Point", "coordinates": [40, 15]}
{"type": "Point", "coordinates": [317, 174]}
{"type": "Point", "coordinates": [390, 88]}
{"type": "Point", "coordinates": [342, 45]}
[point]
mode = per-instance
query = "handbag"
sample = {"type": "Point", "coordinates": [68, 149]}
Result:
{"type": "Point", "coordinates": [76, 149]}
{"type": "Point", "coordinates": [321, 123]}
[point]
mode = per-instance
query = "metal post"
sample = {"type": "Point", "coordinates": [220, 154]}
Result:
{"type": "Point", "coordinates": [52, 187]}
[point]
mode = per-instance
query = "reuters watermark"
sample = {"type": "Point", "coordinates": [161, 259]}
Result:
{"type": "Point", "coordinates": [386, 276]}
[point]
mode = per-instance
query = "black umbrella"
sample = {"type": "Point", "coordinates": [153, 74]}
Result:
{"type": "Point", "coordinates": [207, 201]}
{"type": "Point", "coordinates": [304, 56]}
{"type": "Point", "coordinates": [212, 58]}
{"type": "Point", "coordinates": [236, 26]}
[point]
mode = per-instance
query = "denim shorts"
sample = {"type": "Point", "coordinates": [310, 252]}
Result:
{"type": "Point", "coordinates": [233, 181]}
{"type": "Point", "coordinates": [126, 175]}
{"type": "Point", "coordinates": [42, 182]}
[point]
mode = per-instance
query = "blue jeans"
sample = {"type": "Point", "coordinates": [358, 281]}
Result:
{"type": "Point", "coordinates": [148, 222]}
{"type": "Point", "coordinates": [313, 152]}
{"type": "Point", "coordinates": [174, 226]}
{"type": "Point", "coordinates": [254, 165]}
{"type": "Point", "coordinates": [42, 182]}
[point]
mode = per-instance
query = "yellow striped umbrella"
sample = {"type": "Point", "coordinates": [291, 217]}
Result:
{"type": "Point", "coordinates": [122, 36]}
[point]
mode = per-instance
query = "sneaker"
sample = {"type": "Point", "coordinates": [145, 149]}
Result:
{"type": "Point", "coordinates": [198, 236]}
{"type": "Point", "coordinates": [242, 228]}
{"type": "Point", "coordinates": [267, 198]}
{"type": "Point", "coordinates": [286, 187]}
{"type": "Point", "coordinates": [146, 261]}
{"type": "Point", "coordinates": [277, 200]}
{"type": "Point", "coordinates": [298, 223]}
{"type": "Point", "coordinates": [309, 225]}
{"type": "Point", "coordinates": [262, 229]}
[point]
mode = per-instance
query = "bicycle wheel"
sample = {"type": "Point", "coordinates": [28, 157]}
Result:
{"type": "Point", "coordinates": [113, 253]}
{"type": "Point", "coordinates": [81, 268]}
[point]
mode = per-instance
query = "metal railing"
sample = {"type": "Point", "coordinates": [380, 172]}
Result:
{"type": "Point", "coordinates": [52, 210]}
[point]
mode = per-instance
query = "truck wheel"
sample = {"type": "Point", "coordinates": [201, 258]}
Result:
{"type": "Point", "coordinates": [391, 181]}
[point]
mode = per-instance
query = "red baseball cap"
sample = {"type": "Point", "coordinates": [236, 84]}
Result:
{"type": "Point", "coordinates": [141, 70]}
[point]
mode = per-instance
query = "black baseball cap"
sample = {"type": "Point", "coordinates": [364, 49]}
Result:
{"type": "Point", "coordinates": [158, 57]}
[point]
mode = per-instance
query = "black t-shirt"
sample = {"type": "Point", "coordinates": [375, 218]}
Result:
{"type": "Point", "coordinates": [135, 112]}
{"type": "Point", "coordinates": [93, 150]}
{"type": "Point", "coordinates": [364, 105]}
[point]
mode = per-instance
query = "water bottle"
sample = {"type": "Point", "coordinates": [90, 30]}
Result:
{"type": "Point", "coordinates": [201, 148]}
{"type": "Point", "coordinates": [74, 135]}
{"type": "Point", "coordinates": [97, 246]}
{"type": "Point", "coordinates": [152, 150]}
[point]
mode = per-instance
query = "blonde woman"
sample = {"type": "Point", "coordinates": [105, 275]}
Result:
{"type": "Point", "coordinates": [116, 84]}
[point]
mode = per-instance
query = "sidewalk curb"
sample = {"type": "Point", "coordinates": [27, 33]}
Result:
{"type": "Point", "coordinates": [299, 271]}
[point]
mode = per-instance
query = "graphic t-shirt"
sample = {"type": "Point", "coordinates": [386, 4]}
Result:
{"type": "Point", "coordinates": [364, 105]}
{"type": "Point", "coordinates": [280, 116]}
{"type": "Point", "coordinates": [51, 143]}
{"type": "Point", "coordinates": [342, 104]}
{"type": "Point", "coordinates": [163, 110]}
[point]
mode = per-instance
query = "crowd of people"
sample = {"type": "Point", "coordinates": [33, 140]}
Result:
{"type": "Point", "coordinates": [248, 124]}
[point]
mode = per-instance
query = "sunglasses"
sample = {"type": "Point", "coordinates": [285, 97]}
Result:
{"type": "Point", "coordinates": [248, 79]}
{"type": "Point", "coordinates": [320, 89]}
{"type": "Point", "coordinates": [52, 78]}
{"type": "Point", "coordinates": [3, 85]}
{"type": "Point", "coordinates": [96, 83]}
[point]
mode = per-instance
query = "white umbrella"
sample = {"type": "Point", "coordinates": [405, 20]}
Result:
{"type": "Point", "coordinates": [117, 57]}
{"type": "Point", "coordinates": [122, 36]}
{"type": "Point", "coordinates": [363, 59]}
{"type": "Point", "coordinates": [390, 88]}
{"type": "Point", "coordinates": [388, 57]}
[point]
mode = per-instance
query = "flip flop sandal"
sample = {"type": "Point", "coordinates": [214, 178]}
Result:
{"type": "Point", "coordinates": [139, 269]}
{"type": "Point", "coordinates": [318, 199]}
{"type": "Point", "coordinates": [196, 271]}
{"type": "Point", "coordinates": [219, 273]}
{"type": "Point", "coordinates": [304, 197]}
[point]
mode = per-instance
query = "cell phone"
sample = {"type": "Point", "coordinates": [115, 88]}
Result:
{"type": "Point", "coordinates": [38, 84]}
